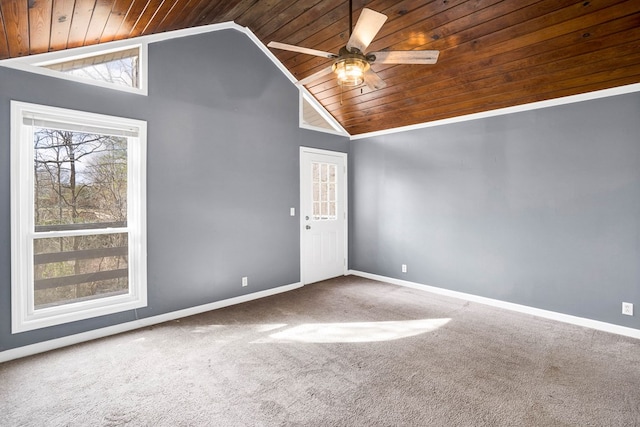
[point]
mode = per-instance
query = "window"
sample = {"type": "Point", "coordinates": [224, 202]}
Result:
{"type": "Point", "coordinates": [314, 117]}
{"type": "Point", "coordinates": [120, 67]}
{"type": "Point", "coordinates": [78, 215]}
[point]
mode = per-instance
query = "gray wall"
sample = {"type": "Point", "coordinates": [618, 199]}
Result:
{"type": "Point", "coordinates": [540, 208]}
{"type": "Point", "coordinates": [223, 155]}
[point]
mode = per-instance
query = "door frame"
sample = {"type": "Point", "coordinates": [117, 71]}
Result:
{"type": "Point", "coordinates": [345, 203]}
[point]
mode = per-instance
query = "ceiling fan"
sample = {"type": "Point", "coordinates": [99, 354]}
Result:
{"type": "Point", "coordinates": [352, 65]}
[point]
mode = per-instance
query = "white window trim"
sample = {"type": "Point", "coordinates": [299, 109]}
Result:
{"type": "Point", "coordinates": [35, 64]}
{"type": "Point", "coordinates": [313, 102]}
{"type": "Point", "coordinates": [28, 63]}
{"type": "Point", "coordinates": [23, 315]}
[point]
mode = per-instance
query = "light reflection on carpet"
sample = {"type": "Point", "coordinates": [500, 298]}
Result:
{"type": "Point", "coordinates": [354, 332]}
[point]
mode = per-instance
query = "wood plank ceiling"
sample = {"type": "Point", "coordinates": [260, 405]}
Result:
{"type": "Point", "coordinates": [493, 53]}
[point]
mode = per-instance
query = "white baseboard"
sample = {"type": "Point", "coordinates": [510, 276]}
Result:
{"type": "Point", "coordinates": [41, 347]}
{"type": "Point", "coordinates": [560, 317]}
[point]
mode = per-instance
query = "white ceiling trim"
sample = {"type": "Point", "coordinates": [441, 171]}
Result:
{"type": "Point", "coordinates": [312, 100]}
{"type": "Point", "coordinates": [620, 90]}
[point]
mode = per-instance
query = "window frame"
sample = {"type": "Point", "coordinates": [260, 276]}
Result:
{"type": "Point", "coordinates": [305, 98]}
{"type": "Point", "coordinates": [24, 316]}
{"type": "Point", "coordinates": [37, 64]}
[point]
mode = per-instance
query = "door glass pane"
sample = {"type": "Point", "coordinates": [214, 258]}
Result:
{"type": "Point", "coordinates": [332, 174]}
{"type": "Point", "coordinates": [325, 190]}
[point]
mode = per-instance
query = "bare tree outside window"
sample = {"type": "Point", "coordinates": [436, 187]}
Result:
{"type": "Point", "coordinates": [120, 68]}
{"type": "Point", "coordinates": [80, 183]}
{"type": "Point", "coordinates": [122, 72]}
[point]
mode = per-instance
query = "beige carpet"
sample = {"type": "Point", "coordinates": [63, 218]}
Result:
{"type": "Point", "coordinates": [345, 352]}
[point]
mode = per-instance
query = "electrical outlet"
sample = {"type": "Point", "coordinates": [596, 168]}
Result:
{"type": "Point", "coordinates": [404, 268]}
{"type": "Point", "coordinates": [627, 308]}
{"type": "Point", "coordinates": [245, 281]}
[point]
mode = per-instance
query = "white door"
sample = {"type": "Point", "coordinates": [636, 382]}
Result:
{"type": "Point", "coordinates": [323, 214]}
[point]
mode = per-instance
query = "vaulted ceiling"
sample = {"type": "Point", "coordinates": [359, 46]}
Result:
{"type": "Point", "coordinates": [493, 53]}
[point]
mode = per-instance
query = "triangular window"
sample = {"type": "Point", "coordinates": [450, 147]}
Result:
{"type": "Point", "coordinates": [120, 67]}
{"type": "Point", "coordinates": [314, 117]}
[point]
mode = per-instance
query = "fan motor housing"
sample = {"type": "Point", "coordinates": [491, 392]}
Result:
{"type": "Point", "coordinates": [350, 67]}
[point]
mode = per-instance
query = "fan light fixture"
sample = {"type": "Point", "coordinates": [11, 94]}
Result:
{"type": "Point", "coordinates": [350, 71]}
{"type": "Point", "coordinates": [352, 64]}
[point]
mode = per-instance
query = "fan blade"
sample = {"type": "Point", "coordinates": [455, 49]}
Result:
{"type": "Point", "coordinates": [299, 49]}
{"type": "Point", "coordinates": [406, 57]}
{"type": "Point", "coordinates": [368, 25]}
{"type": "Point", "coordinates": [315, 76]}
{"type": "Point", "coordinates": [373, 80]}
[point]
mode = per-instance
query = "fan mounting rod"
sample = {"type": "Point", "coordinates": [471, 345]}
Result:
{"type": "Point", "coordinates": [350, 17]}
